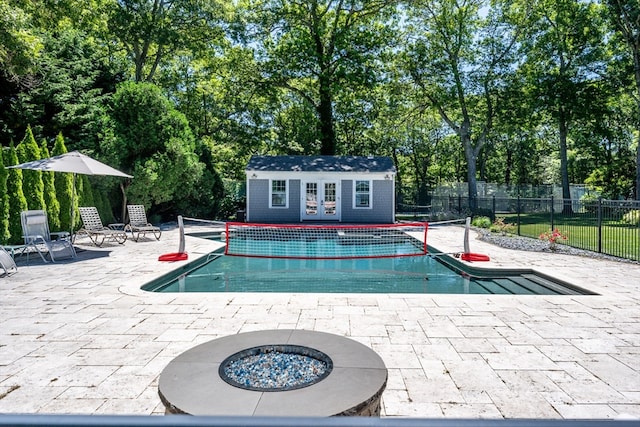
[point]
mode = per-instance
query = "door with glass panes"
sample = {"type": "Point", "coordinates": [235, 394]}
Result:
{"type": "Point", "coordinates": [320, 200]}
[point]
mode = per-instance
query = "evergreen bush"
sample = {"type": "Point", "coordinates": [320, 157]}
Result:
{"type": "Point", "coordinates": [481, 221]}
{"type": "Point", "coordinates": [4, 201]}
{"type": "Point", "coordinates": [64, 188]}
{"type": "Point", "coordinates": [50, 199]}
{"type": "Point", "coordinates": [32, 184]}
{"type": "Point", "coordinates": [17, 201]}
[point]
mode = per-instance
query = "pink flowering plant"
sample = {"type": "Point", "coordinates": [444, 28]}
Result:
{"type": "Point", "coordinates": [553, 236]}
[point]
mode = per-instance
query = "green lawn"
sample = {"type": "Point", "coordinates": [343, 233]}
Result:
{"type": "Point", "coordinates": [618, 239]}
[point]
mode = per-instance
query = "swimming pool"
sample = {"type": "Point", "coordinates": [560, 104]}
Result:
{"type": "Point", "coordinates": [431, 274]}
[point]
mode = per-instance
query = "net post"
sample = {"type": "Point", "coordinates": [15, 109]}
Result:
{"type": "Point", "coordinates": [426, 226]}
{"type": "Point", "coordinates": [226, 239]}
{"type": "Point", "coordinates": [467, 226]}
{"type": "Point", "coordinates": [181, 228]}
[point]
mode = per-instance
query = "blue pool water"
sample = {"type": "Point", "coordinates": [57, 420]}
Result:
{"type": "Point", "coordinates": [414, 274]}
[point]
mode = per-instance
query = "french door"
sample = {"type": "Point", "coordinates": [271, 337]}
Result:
{"type": "Point", "coordinates": [320, 200]}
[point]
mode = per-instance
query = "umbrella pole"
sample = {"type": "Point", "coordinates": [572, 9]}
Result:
{"type": "Point", "coordinates": [73, 211]}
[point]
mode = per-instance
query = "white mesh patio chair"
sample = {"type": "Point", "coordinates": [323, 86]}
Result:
{"type": "Point", "coordinates": [93, 228]}
{"type": "Point", "coordinates": [7, 264]}
{"type": "Point", "coordinates": [138, 224]}
{"type": "Point", "coordinates": [35, 231]}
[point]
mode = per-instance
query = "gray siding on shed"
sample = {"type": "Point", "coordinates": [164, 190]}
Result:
{"type": "Point", "coordinates": [382, 202]}
{"type": "Point", "coordinates": [258, 202]}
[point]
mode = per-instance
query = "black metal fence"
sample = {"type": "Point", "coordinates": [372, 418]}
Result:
{"type": "Point", "coordinates": [610, 227]}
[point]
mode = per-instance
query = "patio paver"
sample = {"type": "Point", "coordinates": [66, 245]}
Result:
{"type": "Point", "coordinates": [80, 336]}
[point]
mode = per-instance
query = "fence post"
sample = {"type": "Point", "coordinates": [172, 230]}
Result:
{"type": "Point", "coordinates": [518, 211]}
{"type": "Point", "coordinates": [599, 225]}
{"type": "Point", "coordinates": [493, 208]}
{"type": "Point", "coordinates": [459, 203]}
{"type": "Point", "coordinates": [552, 205]}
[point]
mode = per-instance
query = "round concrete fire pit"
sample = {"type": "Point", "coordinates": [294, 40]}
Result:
{"type": "Point", "coordinates": [275, 373]}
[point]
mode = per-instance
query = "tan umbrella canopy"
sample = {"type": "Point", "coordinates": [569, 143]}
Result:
{"type": "Point", "coordinates": [73, 162]}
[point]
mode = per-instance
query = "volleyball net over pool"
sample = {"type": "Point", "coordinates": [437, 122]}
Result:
{"type": "Point", "coordinates": [326, 241]}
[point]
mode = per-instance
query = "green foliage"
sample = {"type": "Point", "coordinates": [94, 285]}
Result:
{"type": "Point", "coordinates": [85, 191]}
{"type": "Point", "coordinates": [152, 31]}
{"type": "Point", "coordinates": [632, 217]}
{"type": "Point", "coordinates": [204, 200]}
{"type": "Point", "coordinates": [64, 189]}
{"type": "Point", "coordinates": [103, 205]}
{"type": "Point", "coordinates": [154, 144]}
{"type": "Point", "coordinates": [50, 199]}
{"type": "Point", "coordinates": [459, 60]}
{"type": "Point", "coordinates": [481, 221]}
{"type": "Point", "coordinates": [504, 228]}
{"type": "Point", "coordinates": [4, 201]}
{"type": "Point", "coordinates": [322, 51]}
{"type": "Point", "coordinates": [19, 43]}
{"type": "Point", "coordinates": [437, 84]}
{"type": "Point", "coordinates": [32, 184]}
{"type": "Point", "coordinates": [71, 98]}
{"type": "Point", "coordinates": [17, 201]}
{"type": "Point", "coordinates": [590, 201]}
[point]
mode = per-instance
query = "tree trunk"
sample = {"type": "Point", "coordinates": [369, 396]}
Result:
{"type": "Point", "coordinates": [564, 163]}
{"type": "Point", "coordinates": [325, 115]}
{"type": "Point", "coordinates": [123, 212]}
{"type": "Point", "coordinates": [507, 171]}
{"type": "Point", "coordinates": [399, 180]}
{"type": "Point", "coordinates": [472, 168]}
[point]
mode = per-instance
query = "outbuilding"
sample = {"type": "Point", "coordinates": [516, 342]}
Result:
{"type": "Point", "coordinates": [351, 189]}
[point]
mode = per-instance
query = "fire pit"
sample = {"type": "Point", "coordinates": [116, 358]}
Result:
{"type": "Point", "coordinates": [275, 373]}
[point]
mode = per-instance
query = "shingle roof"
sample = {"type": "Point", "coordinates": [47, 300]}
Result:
{"type": "Point", "coordinates": [321, 164]}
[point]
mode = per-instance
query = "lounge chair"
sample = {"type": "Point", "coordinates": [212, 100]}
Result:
{"type": "Point", "coordinates": [35, 231]}
{"type": "Point", "coordinates": [7, 264]}
{"type": "Point", "coordinates": [138, 224]}
{"type": "Point", "coordinates": [92, 227]}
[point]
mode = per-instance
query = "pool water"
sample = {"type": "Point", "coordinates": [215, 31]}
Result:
{"type": "Point", "coordinates": [415, 274]}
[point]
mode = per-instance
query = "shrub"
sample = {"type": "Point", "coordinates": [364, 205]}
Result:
{"type": "Point", "coordinates": [632, 217]}
{"type": "Point", "coordinates": [589, 202]}
{"type": "Point", "coordinates": [499, 226]}
{"type": "Point", "coordinates": [481, 221]}
{"type": "Point", "coordinates": [479, 212]}
{"type": "Point", "coordinates": [552, 236]}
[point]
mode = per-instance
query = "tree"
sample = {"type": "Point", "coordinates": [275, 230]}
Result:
{"type": "Point", "coordinates": [20, 46]}
{"type": "Point", "coordinates": [50, 199]}
{"type": "Point", "coordinates": [626, 16]}
{"type": "Point", "coordinates": [317, 49]}
{"type": "Point", "coordinates": [458, 61]}
{"type": "Point", "coordinates": [565, 61]}
{"type": "Point", "coordinates": [32, 183]}
{"type": "Point", "coordinates": [17, 201]}
{"type": "Point", "coordinates": [153, 142]}
{"type": "Point", "coordinates": [4, 201]}
{"type": "Point", "coordinates": [70, 95]}
{"type": "Point", "coordinates": [64, 189]}
{"type": "Point", "coordinates": [151, 30]}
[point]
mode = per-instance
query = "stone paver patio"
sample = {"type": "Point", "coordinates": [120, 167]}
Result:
{"type": "Point", "coordinates": [80, 337]}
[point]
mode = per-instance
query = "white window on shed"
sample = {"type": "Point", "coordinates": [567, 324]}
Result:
{"type": "Point", "coordinates": [278, 193]}
{"type": "Point", "coordinates": [362, 194]}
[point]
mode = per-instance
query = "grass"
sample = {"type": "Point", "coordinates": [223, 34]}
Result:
{"type": "Point", "coordinates": [617, 238]}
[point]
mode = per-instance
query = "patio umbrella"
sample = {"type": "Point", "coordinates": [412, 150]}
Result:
{"type": "Point", "coordinates": [73, 162]}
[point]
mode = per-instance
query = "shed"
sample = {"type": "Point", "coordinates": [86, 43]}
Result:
{"type": "Point", "coordinates": [352, 189]}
